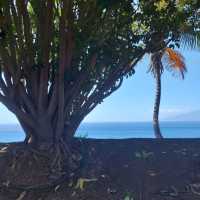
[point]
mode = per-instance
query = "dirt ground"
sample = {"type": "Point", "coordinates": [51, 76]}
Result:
{"type": "Point", "coordinates": [129, 169]}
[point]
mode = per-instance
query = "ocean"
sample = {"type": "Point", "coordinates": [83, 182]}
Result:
{"type": "Point", "coordinates": [115, 130]}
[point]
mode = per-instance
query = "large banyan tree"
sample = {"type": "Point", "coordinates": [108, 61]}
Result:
{"type": "Point", "coordinates": [60, 58]}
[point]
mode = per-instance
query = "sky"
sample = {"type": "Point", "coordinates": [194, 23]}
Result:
{"type": "Point", "coordinates": [134, 100]}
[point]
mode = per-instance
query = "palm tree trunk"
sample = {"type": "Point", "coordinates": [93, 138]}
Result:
{"type": "Point", "coordinates": [156, 125]}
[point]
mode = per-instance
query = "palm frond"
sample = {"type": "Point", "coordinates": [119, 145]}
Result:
{"type": "Point", "coordinates": [174, 62]}
{"type": "Point", "coordinates": [190, 31]}
{"type": "Point", "coordinates": [190, 40]}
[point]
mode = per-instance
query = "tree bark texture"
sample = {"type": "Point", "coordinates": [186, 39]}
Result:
{"type": "Point", "coordinates": [156, 62]}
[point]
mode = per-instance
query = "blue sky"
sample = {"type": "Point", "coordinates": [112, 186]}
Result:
{"type": "Point", "coordinates": [134, 100]}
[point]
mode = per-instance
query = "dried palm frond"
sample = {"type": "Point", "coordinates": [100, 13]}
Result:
{"type": "Point", "coordinates": [174, 62]}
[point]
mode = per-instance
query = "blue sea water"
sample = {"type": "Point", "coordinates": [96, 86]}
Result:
{"type": "Point", "coordinates": [116, 130]}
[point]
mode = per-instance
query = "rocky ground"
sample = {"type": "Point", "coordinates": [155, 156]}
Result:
{"type": "Point", "coordinates": [129, 169]}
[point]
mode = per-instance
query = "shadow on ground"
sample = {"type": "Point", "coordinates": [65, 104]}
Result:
{"type": "Point", "coordinates": [130, 169]}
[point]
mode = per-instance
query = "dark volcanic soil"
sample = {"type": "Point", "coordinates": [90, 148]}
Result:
{"type": "Point", "coordinates": [131, 169]}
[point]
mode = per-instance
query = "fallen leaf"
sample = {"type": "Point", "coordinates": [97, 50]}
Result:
{"type": "Point", "coordinates": [81, 182]}
{"type": "Point", "coordinates": [21, 196]}
{"type": "Point", "coordinates": [56, 188]}
{"type": "Point", "coordinates": [3, 150]}
{"type": "Point", "coordinates": [6, 183]}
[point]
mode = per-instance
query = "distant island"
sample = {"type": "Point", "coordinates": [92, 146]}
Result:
{"type": "Point", "coordinates": [190, 116]}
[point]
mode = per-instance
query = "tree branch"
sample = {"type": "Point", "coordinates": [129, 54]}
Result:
{"type": "Point", "coordinates": [44, 76]}
{"type": "Point", "coordinates": [19, 113]}
{"type": "Point", "coordinates": [27, 101]}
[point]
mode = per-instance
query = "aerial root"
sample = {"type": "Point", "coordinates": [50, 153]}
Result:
{"type": "Point", "coordinates": [63, 162]}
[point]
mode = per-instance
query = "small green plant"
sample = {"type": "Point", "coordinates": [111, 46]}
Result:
{"type": "Point", "coordinates": [83, 135]}
{"type": "Point", "coordinates": [129, 196]}
{"type": "Point", "coordinates": [143, 155]}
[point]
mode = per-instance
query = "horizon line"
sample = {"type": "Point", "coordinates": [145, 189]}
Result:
{"type": "Point", "coordinates": [120, 122]}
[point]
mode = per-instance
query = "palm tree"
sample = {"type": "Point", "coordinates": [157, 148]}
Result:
{"type": "Point", "coordinates": [171, 60]}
